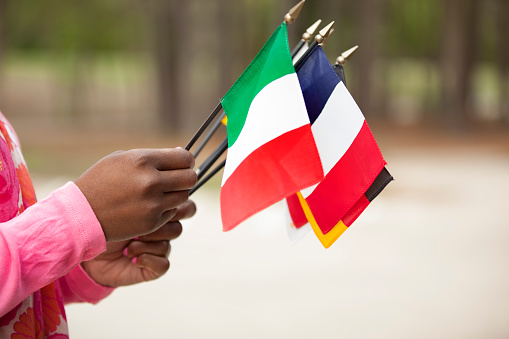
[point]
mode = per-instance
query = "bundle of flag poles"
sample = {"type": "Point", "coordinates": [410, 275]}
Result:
{"type": "Point", "coordinates": [294, 133]}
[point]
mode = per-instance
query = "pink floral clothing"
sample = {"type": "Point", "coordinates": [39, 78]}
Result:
{"type": "Point", "coordinates": [41, 247]}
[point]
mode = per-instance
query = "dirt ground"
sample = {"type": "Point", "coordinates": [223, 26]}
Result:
{"type": "Point", "coordinates": [429, 258]}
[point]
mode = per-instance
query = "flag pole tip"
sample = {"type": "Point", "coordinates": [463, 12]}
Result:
{"type": "Point", "coordinates": [294, 12]}
{"type": "Point", "coordinates": [308, 35]}
{"type": "Point", "coordinates": [320, 37]}
{"type": "Point", "coordinates": [326, 38]}
{"type": "Point", "coordinates": [346, 55]}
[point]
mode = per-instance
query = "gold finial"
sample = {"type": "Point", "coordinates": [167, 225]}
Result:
{"type": "Point", "coordinates": [308, 35]}
{"type": "Point", "coordinates": [345, 56]}
{"type": "Point", "coordinates": [320, 37]}
{"type": "Point", "coordinates": [326, 38]}
{"type": "Point", "coordinates": [294, 12]}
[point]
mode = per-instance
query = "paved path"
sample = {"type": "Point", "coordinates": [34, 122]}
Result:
{"type": "Point", "coordinates": [428, 259]}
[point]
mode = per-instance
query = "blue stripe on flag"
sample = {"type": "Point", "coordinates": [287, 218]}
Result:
{"type": "Point", "coordinates": [317, 80]}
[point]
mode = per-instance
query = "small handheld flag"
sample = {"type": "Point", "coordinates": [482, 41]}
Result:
{"type": "Point", "coordinates": [271, 150]}
{"type": "Point", "coordinates": [350, 156]}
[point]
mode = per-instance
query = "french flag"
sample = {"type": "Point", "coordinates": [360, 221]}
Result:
{"type": "Point", "coordinates": [352, 161]}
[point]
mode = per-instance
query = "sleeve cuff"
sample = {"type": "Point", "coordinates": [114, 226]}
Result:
{"type": "Point", "coordinates": [84, 218]}
{"type": "Point", "coordinates": [84, 288]}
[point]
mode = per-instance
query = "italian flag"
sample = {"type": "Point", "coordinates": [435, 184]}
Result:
{"type": "Point", "coordinates": [271, 149]}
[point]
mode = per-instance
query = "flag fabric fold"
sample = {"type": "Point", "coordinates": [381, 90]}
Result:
{"type": "Point", "coordinates": [348, 151]}
{"type": "Point", "coordinates": [271, 149]}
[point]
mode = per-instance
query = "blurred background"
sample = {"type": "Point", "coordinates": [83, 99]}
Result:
{"type": "Point", "coordinates": [429, 258]}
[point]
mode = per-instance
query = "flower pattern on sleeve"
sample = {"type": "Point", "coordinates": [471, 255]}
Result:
{"type": "Point", "coordinates": [42, 314]}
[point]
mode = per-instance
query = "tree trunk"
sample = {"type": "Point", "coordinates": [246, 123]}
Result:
{"type": "Point", "coordinates": [170, 41]}
{"type": "Point", "coordinates": [226, 46]}
{"type": "Point", "coordinates": [502, 29]}
{"type": "Point", "coordinates": [366, 29]}
{"type": "Point", "coordinates": [458, 56]}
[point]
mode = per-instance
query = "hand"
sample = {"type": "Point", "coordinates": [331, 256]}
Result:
{"type": "Point", "coordinates": [112, 268]}
{"type": "Point", "coordinates": [135, 192]}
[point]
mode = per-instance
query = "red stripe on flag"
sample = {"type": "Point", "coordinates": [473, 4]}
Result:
{"type": "Point", "coordinates": [279, 168]}
{"type": "Point", "coordinates": [296, 212]}
{"type": "Point", "coordinates": [354, 212]}
{"type": "Point", "coordinates": [347, 181]}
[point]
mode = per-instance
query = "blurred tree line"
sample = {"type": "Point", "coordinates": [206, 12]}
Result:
{"type": "Point", "coordinates": [421, 56]}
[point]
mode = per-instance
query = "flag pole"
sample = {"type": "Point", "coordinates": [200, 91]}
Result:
{"type": "Point", "coordinates": [209, 134]}
{"type": "Point", "coordinates": [207, 178]}
{"type": "Point", "coordinates": [294, 12]}
{"type": "Point", "coordinates": [338, 67]}
{"type": "Point", "coordinates": [342, 60]}
{"type": "Point", "coordinates": [289, 18]}
{"type": "Point", "coordinates": [307, 36]}
{"type": "Point", "coordinates": [204, 126]}
{"type": "Point", "coordinates": [319, 39]}
{"type": "Point", "coordinates": [207, 164]}
{"type": "Point", "coordinates": [327, 38]}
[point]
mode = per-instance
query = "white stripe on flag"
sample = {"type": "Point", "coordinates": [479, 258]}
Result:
{"type": "Point", "coordinates": [275, 111]}
{"type": "Point", "coordinates": [335, 129]}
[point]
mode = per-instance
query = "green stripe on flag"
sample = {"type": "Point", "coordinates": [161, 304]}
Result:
{"type": "Point", "coordinates": [272, 62]}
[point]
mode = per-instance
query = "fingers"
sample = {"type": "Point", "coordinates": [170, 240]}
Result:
{"type": "Point", "coordinates": [157, 248]}
{"type": "Point", "coordinates": [157, 265]}
{"type": "Point", "coordinates": [170, 158]}
{"type": "Point", "coordinates": [152, 255]}
{"type": "Point", "coordinates": [185, 211]}
{"type": "Point", "coordinates": [178, 180]}
{"type": "Point", "coordinates": [169, 231]}
{"type": "Point", "coordinates": [173, 200]}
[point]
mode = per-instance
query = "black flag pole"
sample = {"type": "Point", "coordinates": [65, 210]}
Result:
{"type": "Point", "coordinates": [290, 17]}
{"type": "Point", "coordinates": [207, 164]}
{"type": "Point", "coordinates": [306, 37]}
{"type": "Point", "coordinates": [208, 177]}
{"type": "Point", "coordinates": [320, 38]}
{"type": "Point", "coordinates": [342, 60]}
{"type": "Point", "coordinates": [209, 134]}
{"type": "Point", "coordinates": [204, 126]}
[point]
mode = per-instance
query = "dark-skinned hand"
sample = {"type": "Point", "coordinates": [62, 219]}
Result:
{"type": "Point", "coordinates": [150, 252]}
{"type": "Point", "coordinates": [136, 192]}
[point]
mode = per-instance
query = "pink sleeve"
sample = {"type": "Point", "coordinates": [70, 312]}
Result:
{"type": "Point", "coordinates": [45, 242]}
{"type": "Point", "coordinates": [77, 286]}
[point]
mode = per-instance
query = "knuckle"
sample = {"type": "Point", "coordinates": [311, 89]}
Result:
{"type": "Point", "coordinates": [148, 227]}
{"type": "Point", "coordinates": [133, 248]}
{"type": "Point", "coordinates": [150, 183]}
{"type": "Point", "coordinates": [140, 158]}
{"type": "Point", "coordinates": [141, 259]}
{"type": "Point", "coordinates": [171, 213]}
{"type": "Point", "coordinates": [118, 152]}
{"type": "Point", "coordinates": [152, 209]}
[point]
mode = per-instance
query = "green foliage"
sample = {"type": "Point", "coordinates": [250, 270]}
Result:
{"type": "Point", "coordinates": [82, 25]}
{"type": "Point", "coordinates": [412, 28]}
